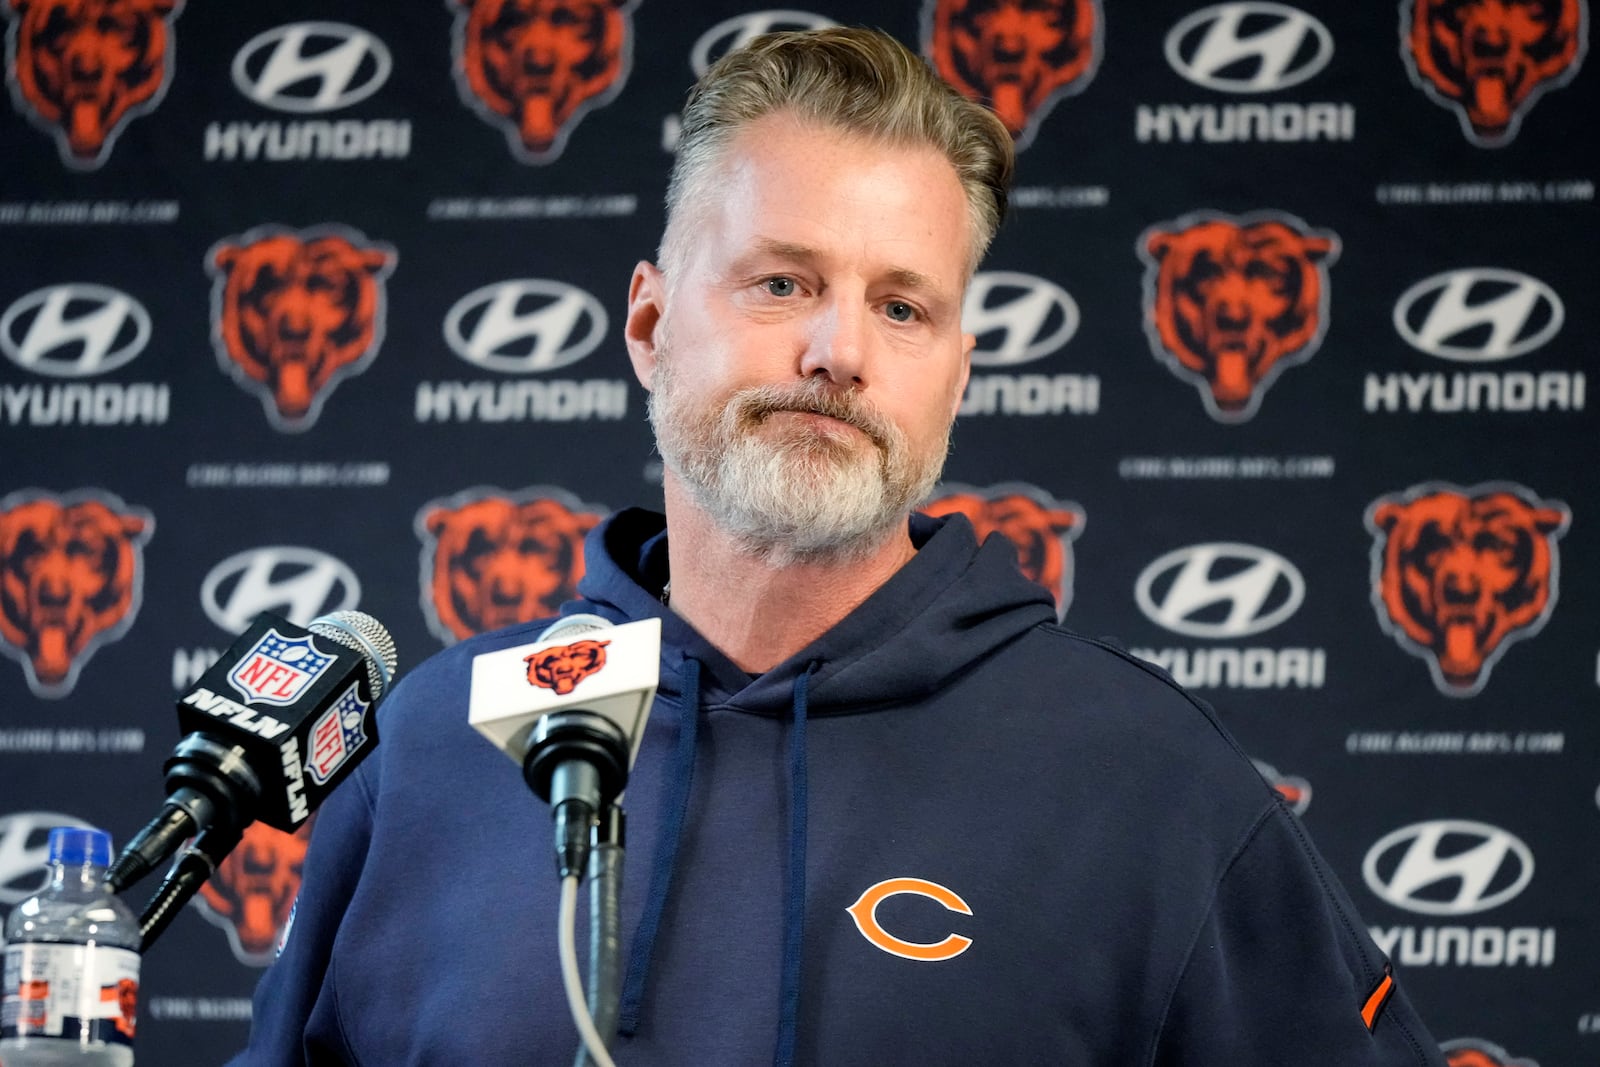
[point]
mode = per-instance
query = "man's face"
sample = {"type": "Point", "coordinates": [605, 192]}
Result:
{"type": "Point", "coordinates": [806, 359]}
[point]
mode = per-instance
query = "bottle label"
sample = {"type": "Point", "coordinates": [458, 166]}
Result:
{"type": "Point", "coordinates": [88, 994]}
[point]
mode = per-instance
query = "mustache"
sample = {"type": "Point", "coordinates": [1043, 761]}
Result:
{"type": "Point", "coordinates": [813, 396]}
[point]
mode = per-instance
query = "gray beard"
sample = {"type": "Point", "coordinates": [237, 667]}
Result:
{"type": "Point", "coordinates": [798, 498]}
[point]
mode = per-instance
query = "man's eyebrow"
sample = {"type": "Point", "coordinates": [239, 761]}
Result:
{"type": "Point", "coordinates": [768, 246]}
{"type": "Point", "coordinates": [903, 277]}
{"type": "Point", "coordinates": [906, 278]}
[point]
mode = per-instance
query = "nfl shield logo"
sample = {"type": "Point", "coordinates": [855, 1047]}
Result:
{"type": "Point", "coordinates": [336, 735]}
{"type": "Point", "coordinates": [278, 669]}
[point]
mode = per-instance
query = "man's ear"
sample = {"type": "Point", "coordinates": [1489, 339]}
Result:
{"type": "Point", "coordinates": [647, 296]}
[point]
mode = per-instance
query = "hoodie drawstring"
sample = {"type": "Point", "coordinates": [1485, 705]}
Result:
{"type": "Point", "coordinates": [794, 912]}
{"type": "Point", "coordinates": [670, 831]}
{"type": "Point", "coordinates": [673, 810]}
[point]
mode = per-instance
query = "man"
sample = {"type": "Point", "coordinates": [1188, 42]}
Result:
{"type": "Point", "coordinates": [885, 809]}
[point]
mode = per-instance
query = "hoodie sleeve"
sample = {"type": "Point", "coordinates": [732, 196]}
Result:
{"type": "Point", "coordinates": [1283, 971]}
{"type": "Point", "coordinates": [295, 1015]}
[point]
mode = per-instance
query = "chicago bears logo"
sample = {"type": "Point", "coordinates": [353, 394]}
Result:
{"type": "Point", "coordinates": [1295, 791]}
{"type": "Point", "coordinates": [491, 559]}
{"type": "Point", "coordinates": [1231, 302]}
{"type": "Point", "coordinates": [295, 312]}
{"type": "Point", "coordinates": [82, 69]}
{"type": "Point", "coordinates": [1489, 60]}
{"type": "Point", "coordinates": [253, 890]}
{"type": "Point", "coordinates": [1475, 1052]}
{"type": "Point", "coordinates": [1041, 527]}
{"type": "Point", "coordinates": [864, 912]}
{"type": "Point", "coordinates": [126, 993]}
{"type": "Point", "coordinates": [71, 580]}
{"type": "Point", "coordinates": [561, 668]}
{"type": "Point", "coordinates": [1459, 575]}
{"type": "Point", "coordinates": [1017, 56]}
{"type": "Point", "coordinates": [536, 67]}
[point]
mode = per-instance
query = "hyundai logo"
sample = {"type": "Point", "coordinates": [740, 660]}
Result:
{"type": "Point", "coordinates": [1448, 867]}
{"type": "Point", "coordinates": [1017, 318]}
{"type": "Point", "coordinates": [74, 331]}
{"type": "Point", "coordinates": [1252, 47]}
{"type": "Point", "coordinates": [1478, 315]}
{"type": "Point", "coordinates": [310, 67]}
{"type": "Point", "coordinates": [1220, 590]}
{"type": "Point", "coordinates": [298, 583]}
{"type": "Point", "coordinates": [525, 326]}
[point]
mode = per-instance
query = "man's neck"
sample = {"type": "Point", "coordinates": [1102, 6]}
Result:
{"type": "Point", "coordinates": [756, 613]}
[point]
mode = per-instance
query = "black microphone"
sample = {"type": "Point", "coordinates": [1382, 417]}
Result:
{"type": "Point", "coordinates": [271, 729]}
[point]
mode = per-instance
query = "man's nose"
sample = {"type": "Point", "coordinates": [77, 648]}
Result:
{"type": "Point", "coordinates": [840, 344]}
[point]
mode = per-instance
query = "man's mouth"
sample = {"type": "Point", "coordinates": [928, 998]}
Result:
{"type": "Point", "coordinates": [804, 430]}
{"type": "Point", "coordinates": [818, 419]}
{"type": "Point", "coordinates": [819, 415]}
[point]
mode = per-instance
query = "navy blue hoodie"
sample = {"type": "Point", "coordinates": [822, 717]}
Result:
{"type": "Point", "coordinates": [947, 832]}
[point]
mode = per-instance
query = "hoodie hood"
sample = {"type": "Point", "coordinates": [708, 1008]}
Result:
{"type": "Point", "coordinates": [951, 605]}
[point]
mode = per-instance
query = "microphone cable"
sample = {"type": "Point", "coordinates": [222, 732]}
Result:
{"type": "Point", "coordinates": [571, 980]}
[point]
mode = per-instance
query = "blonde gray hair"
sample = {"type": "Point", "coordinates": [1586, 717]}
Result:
{"type": "Point", "coordinates": [856, 80]}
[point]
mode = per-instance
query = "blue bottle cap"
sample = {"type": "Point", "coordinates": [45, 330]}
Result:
{"type": "Point", "coordinates": [76, 845]}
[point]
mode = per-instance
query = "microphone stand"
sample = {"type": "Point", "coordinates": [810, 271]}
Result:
{"type": "Point", "coordinates": [578, 763]}
{"type": "Point", "coordinates": [188, 873]}
{"type": "Point", "coordinates": [208, 782]}
{"type": "Point", "coordinates": [605, 927]}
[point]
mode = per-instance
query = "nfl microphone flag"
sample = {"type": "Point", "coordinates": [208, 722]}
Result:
{"type": "Point", "coordinates": [287, 698]}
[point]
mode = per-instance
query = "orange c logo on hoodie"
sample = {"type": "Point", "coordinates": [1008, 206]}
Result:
{"type": "Point", "coordinates": [865, 913]}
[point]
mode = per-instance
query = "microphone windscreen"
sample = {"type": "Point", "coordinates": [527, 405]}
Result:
{"type": "Point", "coordinates": [359, 631]}
{"type": "Point", "coordinates": [574, 625]}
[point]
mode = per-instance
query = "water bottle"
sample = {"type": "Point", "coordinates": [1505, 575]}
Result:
{"type": "Point", "coordinates": [71, 983]}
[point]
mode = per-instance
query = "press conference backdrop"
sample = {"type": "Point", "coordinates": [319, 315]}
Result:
{"type": "Point", "coordinates": [1282, 378]}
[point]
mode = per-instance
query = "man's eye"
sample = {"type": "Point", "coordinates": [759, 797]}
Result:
{"type": "Point", "coordinates": [780, 286]}
{"type": "Point", "coordinates": [900, 311]}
